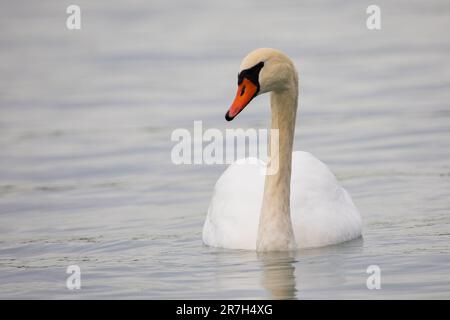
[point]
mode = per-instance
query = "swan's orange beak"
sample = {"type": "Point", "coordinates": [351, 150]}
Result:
{"type": "Point", "coordinates": [246, 91]}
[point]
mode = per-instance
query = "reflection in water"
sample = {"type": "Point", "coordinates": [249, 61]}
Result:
{"type": "Point", "coordinates": [278, 269]}
{"type": "Point", "coordinates": [278, 274]}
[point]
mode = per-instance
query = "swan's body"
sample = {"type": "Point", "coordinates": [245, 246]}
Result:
{"type": "Point", "coordinates": [322, 211]}
{"type": "Point", "coordinates": [300, 203]}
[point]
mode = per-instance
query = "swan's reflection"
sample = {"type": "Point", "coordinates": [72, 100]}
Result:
{"type": "Point", "coordinates": [278, 276]}
{"type": "Point", "coordinates": [278, 268]}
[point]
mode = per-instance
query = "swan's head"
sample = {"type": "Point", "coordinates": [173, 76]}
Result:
{"type": "Point", "coordinates": [262, 70]}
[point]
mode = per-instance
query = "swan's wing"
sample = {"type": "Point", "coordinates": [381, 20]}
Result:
{"type": "Point", "coordinates": [233, 214]}
{"type": "Point", "coordinates": [322, 211]}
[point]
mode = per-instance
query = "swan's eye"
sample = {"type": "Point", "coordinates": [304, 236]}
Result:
{"type": "Point", "coordinates": [251, 74]}
{"type": "Point", "coordinates": [242, 91]}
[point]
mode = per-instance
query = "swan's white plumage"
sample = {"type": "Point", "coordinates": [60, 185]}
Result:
{"type": "Point", "coordinates": [322, 211]}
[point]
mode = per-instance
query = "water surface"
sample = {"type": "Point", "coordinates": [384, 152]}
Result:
{"type": "Point", "coordinates": [85, 124]}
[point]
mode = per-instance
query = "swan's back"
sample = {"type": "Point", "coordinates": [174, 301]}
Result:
{"type": "Point", "coordinates": [322, 211]}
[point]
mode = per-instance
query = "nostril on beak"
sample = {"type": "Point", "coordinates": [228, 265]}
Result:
{"type": "Point", "coordinates": [243, 90]}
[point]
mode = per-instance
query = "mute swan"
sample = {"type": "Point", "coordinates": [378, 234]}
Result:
{"type": "Point", "coordinates": [277, 212]}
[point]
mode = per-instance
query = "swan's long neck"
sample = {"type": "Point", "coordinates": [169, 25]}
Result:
{"type": "Point", "coordinates": [275, 231]}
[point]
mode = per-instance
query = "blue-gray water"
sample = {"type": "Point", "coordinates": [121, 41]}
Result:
{"type": "Point", "coordinates": [85, 124]}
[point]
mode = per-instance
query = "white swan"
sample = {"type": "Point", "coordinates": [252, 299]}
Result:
{"type": "Point", "coordinates": [277, 212]}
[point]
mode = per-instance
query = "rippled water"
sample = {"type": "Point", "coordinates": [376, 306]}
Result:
{"type": "Point", "coordinates": [85, 124]}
